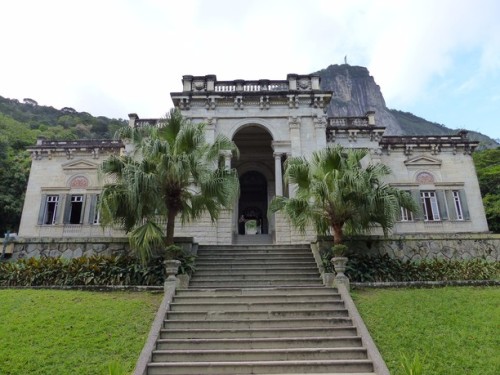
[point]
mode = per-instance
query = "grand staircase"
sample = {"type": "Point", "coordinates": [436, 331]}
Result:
{"type": "Point", "coordinates": [258, 309]}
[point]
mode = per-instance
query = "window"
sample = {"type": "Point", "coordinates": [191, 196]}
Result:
{"type": "Point", "coordinates": [76, 209]}
{"type": "Point", "coordinates": [458, 205]}
{"type": "Point", "coordinates": [430, 206]}
{"type": "Point", "coordinates": [50, 211]}
{"type": "Point", "coordinates": [406, 215]}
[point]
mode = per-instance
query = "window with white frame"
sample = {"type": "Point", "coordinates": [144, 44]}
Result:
{"type": "Point", "coordinates": [50, 210]}
{"type": "Point", "coordinates": [458, 205]}
{"type": "Point", "coordinates": [76, 209]}
{"type": "Point", "coordinates": [430, 206]}
{"type": "Point", "coordinates": [406, 215]}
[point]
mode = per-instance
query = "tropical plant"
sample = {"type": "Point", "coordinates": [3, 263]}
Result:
{"type": "Point", "coordinates": [173, 172]}
{"type": "Point", "coordinates": [334, 192]}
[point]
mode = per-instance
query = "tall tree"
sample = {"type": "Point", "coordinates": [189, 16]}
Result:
{"type": "Point", "coordinates": [336, 194]}
{"type": "Point", "coordinates": [174, 172]}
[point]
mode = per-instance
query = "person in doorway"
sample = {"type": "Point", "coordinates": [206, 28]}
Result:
{"type": "Point", "coordinates": [241, 224]}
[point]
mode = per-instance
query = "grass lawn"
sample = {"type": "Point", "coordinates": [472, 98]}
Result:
{"type": "Point", "coordinates": [455, 330]}
{"type": "Point", "coordinates": [72, 332]}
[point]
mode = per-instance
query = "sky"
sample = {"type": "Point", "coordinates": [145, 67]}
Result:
{"type": "Point", "coordinates": [439, 59]}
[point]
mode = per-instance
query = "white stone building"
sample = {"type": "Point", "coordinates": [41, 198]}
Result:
{"type": "Point", "coordinates": [269, 121]}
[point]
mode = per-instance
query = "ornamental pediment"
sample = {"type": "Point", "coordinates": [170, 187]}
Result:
{"type": "Point", "coordinates": [79, 165]}
{"type": "Point", "coordinates": [423, 161]}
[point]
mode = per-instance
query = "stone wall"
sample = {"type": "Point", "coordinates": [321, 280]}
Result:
{"type": "Point", "coordinates": [77, 247]}
{"type": "Point", "coordinates": [418, 247]}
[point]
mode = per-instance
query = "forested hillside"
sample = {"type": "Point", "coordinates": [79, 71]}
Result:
{"type": "Point", "coordinates": [20, 125]}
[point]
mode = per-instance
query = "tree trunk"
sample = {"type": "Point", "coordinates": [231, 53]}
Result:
{"type": "Point", "coordinates": [338, 235]}
{"type": "Point", "coordinates": [169, 240]}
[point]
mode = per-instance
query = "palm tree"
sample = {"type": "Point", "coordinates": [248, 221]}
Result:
{"type": "Point", "coordinates": [337, 195]}
{"type": "Point", "coordinates": [173, 172]}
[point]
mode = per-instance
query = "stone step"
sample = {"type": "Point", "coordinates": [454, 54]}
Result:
{"type": "Point", "coordinates": [263, 314]}
{"type": "Point", "coordinates": [250, 247]}
{"type": "Point", "coordinates": [263, 298]}
{"type": "Point", "coordinates": [253, 283]}
{"type": "Point", "coordinates": [256, 276]}
{"type": "Point", "coordinates": [234, 263]}
{"type": "Point", "coordinates": [263, 259]}
{"type": "Point", "coordinates": [259, 343]}
{"type": "Point", "coordinates": [327, 322]}
{"type": "Point", "coordinates": [288, 354]}
{"type": "Point", "coordinates": [255, 306]}
{"type": "Point", "coordinates": [227, 333]}
{"type": "Point", "coordinates": [210, 272]}
{"type": "Point", "coordinates": [260, 291]}
{"type": "Point", "coordinates": [261, 252]}
{"type": "Point", "coordinates": [355, 366]}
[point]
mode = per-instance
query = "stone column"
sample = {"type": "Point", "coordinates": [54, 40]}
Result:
{"type": "Point", "coordinates": [278, 176]}
{"type": "Point", "coordinates": [320, 131]}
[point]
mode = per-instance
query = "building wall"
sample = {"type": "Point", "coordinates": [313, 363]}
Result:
{"type": "Point", "coordinates": [295, 126]}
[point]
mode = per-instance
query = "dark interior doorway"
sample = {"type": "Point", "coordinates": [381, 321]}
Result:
{"type": "Point", "coordinates": [252, 204]}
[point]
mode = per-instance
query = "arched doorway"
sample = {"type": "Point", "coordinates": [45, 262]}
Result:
{"type": "Point", "coordinates": [252, 204]}
{"type": "Point", "coordinates": [255, 167]}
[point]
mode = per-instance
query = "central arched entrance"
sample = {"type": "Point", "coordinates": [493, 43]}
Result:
{"type": "Point", "coordinates": [255, 167]}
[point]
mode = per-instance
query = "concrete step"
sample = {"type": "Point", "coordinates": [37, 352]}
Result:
{"type": "Point", "coordinates": [288, 354]}
{"type": "Point", "coordinates": [263, 298]}
{"type": "Point", "coordinates": [253, 283]}
{"type": "Point", "coordinates": [246, 261]}
{"type": "Point", "coordinates": [253, 252]}
{"type": "Point", "coordinates": [256, 270]}
{"type": "Point", "coordinates": [259, 343]}
{"type": "Point", "coordinates": [260, 291]}
{"type": "Point", "coordinates": [256, 276]}
{"type": "Point", "coordinates": [263, 314]}
{"type": "Point", "coordinates": [276, 322]}
{"type": "Point", "coordinates": [250, 247]}
{"type": "Point", "coordinates": [227, 333]}
{"type": "Point", "coordinates": [255, 306]}
{"type": "Point", "coordinates": [355, 366]}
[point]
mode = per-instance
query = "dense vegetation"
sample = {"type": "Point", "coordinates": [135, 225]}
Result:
{"type": "Point", "coordinates": [487, 164]}
{"type": "Point", "coordinates": [371, 268]}
{"type": "Point", "coordinates": [95, 270]}
{"type": "Point", "coordinates": [20, 125]}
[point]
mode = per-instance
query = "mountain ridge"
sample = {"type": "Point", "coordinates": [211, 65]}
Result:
{"type": "Point", "coordinates": [354, 92]}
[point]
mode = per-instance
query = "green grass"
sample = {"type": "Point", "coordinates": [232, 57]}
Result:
{"type": "Point", "coordinates": [72, 332]}
{"type": "Point", "coordinates": [453, 330]}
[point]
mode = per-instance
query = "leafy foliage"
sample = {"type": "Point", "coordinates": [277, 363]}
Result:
{"type": "Point", "coordinates": [487, 164]}
{"type": "Point", "coordinates": [336, 193]}
{"type": "Point", "coordinates": [20, 125]}
{"type": "Point", "coordinates": [174, 172]}
{"type": "Point", "coordinates": [95, 270]}
{"type": "Point", "coordinates": [364, 268]}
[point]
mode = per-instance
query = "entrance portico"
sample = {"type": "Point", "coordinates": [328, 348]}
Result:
{"type": "Point", "coordinates": [269, 121]}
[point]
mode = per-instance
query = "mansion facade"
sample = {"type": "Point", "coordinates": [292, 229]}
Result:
{"type": "Point", "coordinates": [269, 121]}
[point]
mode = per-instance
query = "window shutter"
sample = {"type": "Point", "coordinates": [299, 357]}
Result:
{"type": "Point", "coordinates": [443, 212]}
{"type": "Point", "coordinates": [419, 215]}
{"type": "Point", "coordinates": [450, 201]}
{"type": "Point", "coordinates": [66, 207]}
{"type": "Point", "coordinates": [43, 207]}
{"type": "Point", "coordinates": [93, 201]}
{"type": "Point", "coordinates": [82, 212]}
{"type": "Point", "coordinates": [463, 201]}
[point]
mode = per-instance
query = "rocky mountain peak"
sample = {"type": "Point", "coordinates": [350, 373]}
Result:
{"type": "Point", "coordinates": [354, 93]}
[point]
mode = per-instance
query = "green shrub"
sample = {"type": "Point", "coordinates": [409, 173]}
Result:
{"type": "Point", "coordinates": [364, 268]}
{"type": "Point", "coordinates": [94, 270]}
